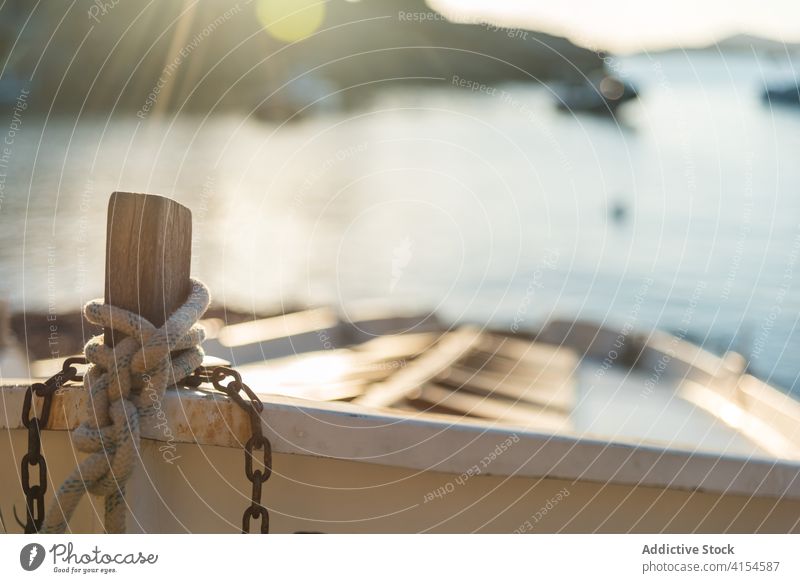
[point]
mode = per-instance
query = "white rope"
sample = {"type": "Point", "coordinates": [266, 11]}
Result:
{"type": "Point", "coordinates": [124, 383]}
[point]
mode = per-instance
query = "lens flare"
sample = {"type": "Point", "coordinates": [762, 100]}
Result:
{"type": "Point", "coordinates": [291, 20]}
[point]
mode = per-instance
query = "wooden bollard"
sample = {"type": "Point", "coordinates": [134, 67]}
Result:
{"type": "Point", "coordinates": [148, 256]}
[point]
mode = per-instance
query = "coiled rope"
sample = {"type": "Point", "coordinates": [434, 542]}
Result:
{"type": "Point", "coordinates": [125, 382]}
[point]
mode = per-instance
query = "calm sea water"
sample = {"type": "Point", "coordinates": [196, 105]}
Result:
{"type": "Point", "coordinates": [684, 216]}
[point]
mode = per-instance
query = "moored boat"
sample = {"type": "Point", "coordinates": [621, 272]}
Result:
{"type": "Point", "coordinates": [788, 94]}
{"type": "Point", "coordinates": [602, 96]}
{"type": "Point", "coordinates": [464, 430]}
{"type": "Point", "coordinates": [384, 422]}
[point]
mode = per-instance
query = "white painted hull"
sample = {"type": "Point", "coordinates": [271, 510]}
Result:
{"type": "Point", "coordinates": [204, 491]}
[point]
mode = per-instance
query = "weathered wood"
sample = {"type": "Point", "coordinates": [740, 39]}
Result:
{"type": "Point", "coordinates": [399, 346]}
{"type": "Point", "coordinates": [466, 404]}
{"type": "Point", "coordinates": [537, 354]}
{"type": "Point", "coordinates": [148, 256]}
{"type": "Point", "coordinates": [551, 393]}
{"type": "Point", "coordinates": [450, 349]}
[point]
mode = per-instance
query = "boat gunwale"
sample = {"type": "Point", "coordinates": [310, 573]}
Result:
{"type": "Point", "coordinates": [440, 443]}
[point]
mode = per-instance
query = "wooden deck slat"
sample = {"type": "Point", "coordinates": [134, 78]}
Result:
{"type": "Point", "coordinates": [452, 347]}
{"type": "Point", "coordinates": [558, 393]}
{"type": "Point", "coordinates": [504, 366]}
{"type": "Point", "coordinates": [536, 353]}
{"type": "Point", "coordinates": [464, 403]}
{"type": "Point", "coordinates": [399, 346]}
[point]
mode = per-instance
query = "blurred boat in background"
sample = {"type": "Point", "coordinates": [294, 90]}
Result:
{"type": "Point", "coordinates": [788, 94]}
{"type": "Point", "coordinates": [599, 96]}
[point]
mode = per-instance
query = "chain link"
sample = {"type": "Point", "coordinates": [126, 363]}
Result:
{"type": "Point", "coordinates": [34, 494]}
{"type": "Point", "coordinates": [253, 407]}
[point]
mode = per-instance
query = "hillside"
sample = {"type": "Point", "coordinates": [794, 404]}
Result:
{"type": "Point", "coordinates": [217, 55]}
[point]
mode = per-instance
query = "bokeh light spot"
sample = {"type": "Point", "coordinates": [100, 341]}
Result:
{"type": "Point", "coordinates": [291, 20]}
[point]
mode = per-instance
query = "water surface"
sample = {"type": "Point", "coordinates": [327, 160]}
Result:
{"type": "Point", "coordinates": [684, 216]}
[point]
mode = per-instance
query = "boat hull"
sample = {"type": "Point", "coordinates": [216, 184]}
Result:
{"type": "Point", "coordinates": [203, 490]}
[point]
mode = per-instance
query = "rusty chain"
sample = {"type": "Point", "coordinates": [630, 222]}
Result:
{"type": "Point", "coordinates": [34, 494]}
{"type": "Point", "coordinates": [253, 407]}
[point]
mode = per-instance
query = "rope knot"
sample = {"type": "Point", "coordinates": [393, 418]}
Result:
{"type": "Point", "coordinates": [125, 382]}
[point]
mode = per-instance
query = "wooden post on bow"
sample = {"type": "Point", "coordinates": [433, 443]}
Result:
{"type": "Point", "coordinates": [148, 256]}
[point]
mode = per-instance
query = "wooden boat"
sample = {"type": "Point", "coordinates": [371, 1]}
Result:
{"type": "Point", "coordinates": [581, 429]}
{"type": "Point", "coordinates": [402, 423]}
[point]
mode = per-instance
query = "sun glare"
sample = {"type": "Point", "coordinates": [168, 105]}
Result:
{"type": "Point", "coordinates": [291, 20]}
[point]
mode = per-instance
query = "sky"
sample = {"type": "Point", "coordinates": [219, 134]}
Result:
{"type": "Point", "coordinates": [626, 26]}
